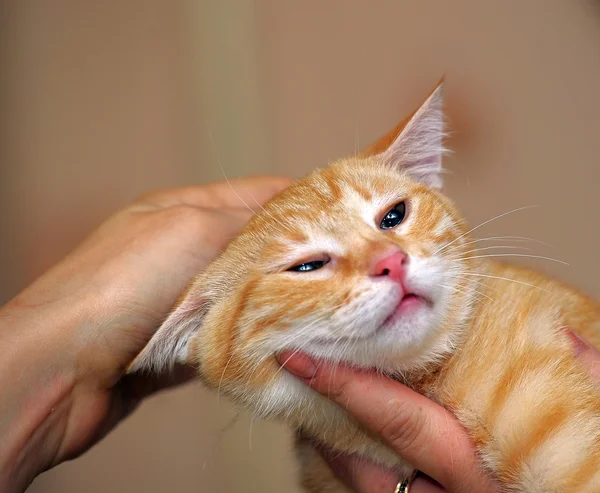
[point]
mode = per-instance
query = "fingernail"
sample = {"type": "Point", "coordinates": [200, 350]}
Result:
{"type": "Point", "coordinates": [579, 344]}
{"type": "Point", "coordinates": [298, 364]}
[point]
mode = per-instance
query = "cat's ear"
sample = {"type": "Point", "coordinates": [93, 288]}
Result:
{"type": "Point", "coordinates": [169, 344]}
{"type": "Point", "coordinates": [416, 144]}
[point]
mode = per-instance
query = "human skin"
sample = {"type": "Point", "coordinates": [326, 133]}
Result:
{"type": "Point", "coordinates": [419, 430]}
{"type": "Point", "coordinates": [67, 338]}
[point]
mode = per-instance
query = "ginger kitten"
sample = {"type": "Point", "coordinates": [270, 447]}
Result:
{"type": "Point", "coordinates": [366, 262]}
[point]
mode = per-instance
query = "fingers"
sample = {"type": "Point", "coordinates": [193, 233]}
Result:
{"type": "Point", "coordinates": [366, 477]}
{"type": "Point", "coordinates": [246, 193]}
{"type": "Point", "coordinates": [360, 475]}
{"type": "Point", "coordinates": [423, 484]}
{"type": "Point", "coordinates": [419, 430]}
{"type": "Point", "coordinates": [586, 353]}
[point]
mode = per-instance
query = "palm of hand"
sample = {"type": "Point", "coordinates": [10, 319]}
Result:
{"type": "Point", "coordinates": [117, 286]}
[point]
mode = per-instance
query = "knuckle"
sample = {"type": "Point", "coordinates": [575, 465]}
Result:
{"type": "Point", "coordinates": [182, 212]}
{"type": "Point", "coordinates": [186, 218]}
{"type": "Point", "coordinates": [152, 198]}
{"type": "Point", "coordinates": [402, 426]}
{"type": "Point", "coordinates": [176, 219]}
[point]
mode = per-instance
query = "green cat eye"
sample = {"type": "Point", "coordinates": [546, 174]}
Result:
{"type": "Point", "coordinates": [394, 216]}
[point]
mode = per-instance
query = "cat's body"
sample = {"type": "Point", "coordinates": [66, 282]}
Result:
{"type": "Point", "coordinates": [529, 407]}
{"type": "Point", "coordinates": [367, 263]}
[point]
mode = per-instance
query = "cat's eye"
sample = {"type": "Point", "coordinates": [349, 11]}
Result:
{"type": "Point", "coordinates": [308, 266]}
{"type": "Point", "coordinates": [394, 216]}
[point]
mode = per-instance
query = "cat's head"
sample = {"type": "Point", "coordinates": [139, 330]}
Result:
{"type": "Point", "coordinates": [358, 262]}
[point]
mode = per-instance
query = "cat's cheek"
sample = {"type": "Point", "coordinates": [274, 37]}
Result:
{"type": "Point", "coordinates": [429, 278]}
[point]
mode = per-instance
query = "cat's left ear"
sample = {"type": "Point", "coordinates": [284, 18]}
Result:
{"type": "Point", "coordinates": [416, 144]}
{"type": "Point", "coordinates": [170, 343]}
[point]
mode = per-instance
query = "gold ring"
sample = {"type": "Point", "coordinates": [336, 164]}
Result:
{"type": "Point", "coordinates": [404, 486]}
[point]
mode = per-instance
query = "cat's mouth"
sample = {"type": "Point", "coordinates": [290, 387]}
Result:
{"type": "Point", "coordinates": [407, 306]}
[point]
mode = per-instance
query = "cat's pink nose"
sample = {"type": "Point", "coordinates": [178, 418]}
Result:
{"type": "Point", "coordinates": [392, 266]}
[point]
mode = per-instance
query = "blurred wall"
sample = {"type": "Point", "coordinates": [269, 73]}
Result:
{"type": "Point", "coordinates": [102, 101]}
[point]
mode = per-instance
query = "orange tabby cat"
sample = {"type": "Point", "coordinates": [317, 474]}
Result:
{"type": "Point", "coordinates": [366, 262]}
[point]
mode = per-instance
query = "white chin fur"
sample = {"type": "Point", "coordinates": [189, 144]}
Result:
{"type": "Point", "coordinates": [410, 343]}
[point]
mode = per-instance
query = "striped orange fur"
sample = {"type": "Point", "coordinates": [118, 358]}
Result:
{"type": "Point", "coordinates": [414, 300]}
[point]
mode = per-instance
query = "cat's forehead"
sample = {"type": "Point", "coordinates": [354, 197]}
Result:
{"type": "Point", "coordinates": [338, 211]}
{"type": "Point", "coordinates": [347, 187]}
{"type": "Point", "coordinates": [330, 205]}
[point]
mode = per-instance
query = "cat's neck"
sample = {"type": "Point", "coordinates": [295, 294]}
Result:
{"type": "Point", "coordinates": [515, 301]}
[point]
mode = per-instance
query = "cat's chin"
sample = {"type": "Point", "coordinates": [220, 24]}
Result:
{"type": "Point", "coordinates": [411, 310]}
{"type": "Point", "coordinates": [407, 312]}
{"type": "Point", "coordinates": [392, 345]}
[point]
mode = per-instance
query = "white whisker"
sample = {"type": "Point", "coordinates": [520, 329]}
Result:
{"type": "Point", "coordinates": [522, 238]}
{"type": "Point", "coordinates": [250, 433]}
{"type": "Point", "coordinates": [505, 238]}
{"type": "Point", "coordinates": [294, 337]}
{"type": "Point", "coordinates": [483, 224]}
{"type": "Point", "coordinates": [494, 248]}
{"type": "Point", "coordinates": [356, 141]}
{"type": "Point", "coordinates": [223, 171]}
{"type": "Point", "coordinates": [504, 279]}
{"type": "Point", "coordinates": [221, 380]}
{"type": "Point", "coordinates": [491, 255]}
{"type": "Point", "coordinates": [484, 284]}
{"type": "Point", "coordinates": [269, 214]}
{"type": "Point", "coordinates": [467, 293]}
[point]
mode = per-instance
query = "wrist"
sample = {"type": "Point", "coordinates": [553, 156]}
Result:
{"type": "Point", "coordinates": [35, 394]}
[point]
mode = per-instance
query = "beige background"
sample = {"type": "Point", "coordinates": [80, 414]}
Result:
{"type": "Point", "coordinates": [101, 101]}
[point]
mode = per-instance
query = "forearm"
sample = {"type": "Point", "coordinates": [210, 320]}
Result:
{"type": "Point", "coordinates": [35, 393]}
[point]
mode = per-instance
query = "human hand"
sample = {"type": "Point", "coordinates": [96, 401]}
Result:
{"type": "Point", "coordinates": [66, 340]}
{"type": "Point", "coordinates": [422, 432]}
